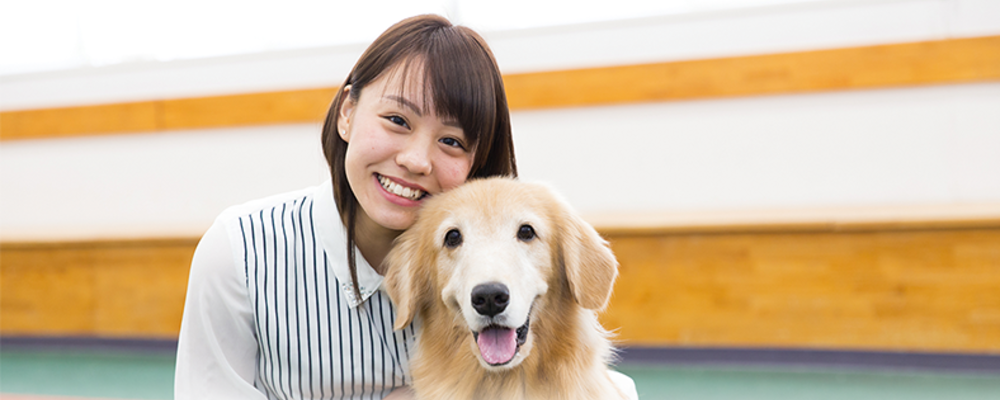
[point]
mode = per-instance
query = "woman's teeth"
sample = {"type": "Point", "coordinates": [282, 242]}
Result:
{"type": "Point", "coordinates": [400, 190]}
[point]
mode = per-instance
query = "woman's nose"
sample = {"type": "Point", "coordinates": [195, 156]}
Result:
{"type": "Point", "coordinates": [415, 155]}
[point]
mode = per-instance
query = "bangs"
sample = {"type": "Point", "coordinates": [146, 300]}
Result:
{"type": "Point", "coordinates": [461, 87]}
{"type": "Point", "coordinates": [459, 80]}
{"type": "Point", "coordinates": [457, 85]}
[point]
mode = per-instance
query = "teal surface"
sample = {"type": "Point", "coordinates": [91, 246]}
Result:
{"type": "Point", "coordinates": [750, 383]}
{"type": "Point", "coordinates": [115, 374]}
{"type": "Point", "coordinates": [134, 375]}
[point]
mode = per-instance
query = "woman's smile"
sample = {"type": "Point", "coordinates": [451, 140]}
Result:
{"type": "Point", "coordinates": [401, 193]}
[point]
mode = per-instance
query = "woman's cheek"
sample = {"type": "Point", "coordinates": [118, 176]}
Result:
{"type": "Point", "coordinates": [456, 173]}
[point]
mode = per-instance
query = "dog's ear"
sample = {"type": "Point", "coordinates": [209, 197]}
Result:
{"type": "Point", "coordinates": [405, 282]}
{"type": "Point", "coordinates": [591, 267]}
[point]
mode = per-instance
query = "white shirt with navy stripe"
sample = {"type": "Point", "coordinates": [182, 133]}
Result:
{"type": "Point", "coordinates": [270, 311]}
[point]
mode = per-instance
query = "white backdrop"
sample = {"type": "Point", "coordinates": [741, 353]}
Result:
{"type": "Point", "coordinates": [926, 145]}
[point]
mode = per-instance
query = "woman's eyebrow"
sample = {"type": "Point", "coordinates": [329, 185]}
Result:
{"type": "Point", "coordinates": [416, 110]}
{"type": "Point", "coordinates": [409, 104]}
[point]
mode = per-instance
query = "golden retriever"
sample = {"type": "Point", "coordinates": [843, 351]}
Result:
{"type": "Point", "coordinates": [507, 281]}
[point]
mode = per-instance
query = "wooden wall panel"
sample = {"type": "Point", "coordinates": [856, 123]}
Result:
{"type": "Point", "coordinates": [934, 290]}
{"type": "Point", "coordinates": [934, 62]}
{"type": "Point", "coordinates": [309, 105]}
{"type": "Point", "coordinates": [114, 289]}
{"type": "Point", "coordinates": [896, 289]}
{"type": "Point", "coordinates": [923, 63]}
{"type": "Point", "coordinates": [294, 106]}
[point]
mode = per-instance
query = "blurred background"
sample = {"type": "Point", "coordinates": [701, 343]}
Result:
{"type": "Point", "coordinates": [799, 192]}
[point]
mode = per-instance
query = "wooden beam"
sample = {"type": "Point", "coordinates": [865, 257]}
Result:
{"type": "Point", "coordinates": [907, 64]}
{"type": "Point", "coordinates": [895, 289]}
{"type": "Point", "coordinates": [111, 289]}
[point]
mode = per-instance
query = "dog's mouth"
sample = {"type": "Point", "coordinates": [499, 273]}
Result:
{"type": "Point", "coordinates": [499, 344]}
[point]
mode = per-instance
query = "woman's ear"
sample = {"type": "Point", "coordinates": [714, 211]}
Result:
{"type": "Point", "coordinates": [405, 282]}
{"type": "Point", "coordinates": [346, 112]}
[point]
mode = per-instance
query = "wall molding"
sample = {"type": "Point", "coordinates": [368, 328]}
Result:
{"type": "Point", "coordinates": [893, 289]}
{"type": "Point", "coordinates": [895, 65]}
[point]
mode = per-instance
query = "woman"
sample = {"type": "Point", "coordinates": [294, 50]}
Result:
{"type": "Point", "coordinates": [279, 305]}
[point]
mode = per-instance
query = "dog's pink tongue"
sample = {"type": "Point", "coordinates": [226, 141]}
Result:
{"type": "Point", "coordinates": [497, 345]}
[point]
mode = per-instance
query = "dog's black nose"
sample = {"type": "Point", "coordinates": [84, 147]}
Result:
{"type": "Point", "coordinates": [490, 299]}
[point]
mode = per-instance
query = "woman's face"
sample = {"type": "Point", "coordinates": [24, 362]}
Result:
{"type": "Point", "coordinates": [399, 151]}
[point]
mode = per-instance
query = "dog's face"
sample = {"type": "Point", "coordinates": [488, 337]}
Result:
{"type": "Point", "coordinates": [492, 252]}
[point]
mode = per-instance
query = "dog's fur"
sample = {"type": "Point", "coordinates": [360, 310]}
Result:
{"type": "Point", "coordinates": [557, 281]}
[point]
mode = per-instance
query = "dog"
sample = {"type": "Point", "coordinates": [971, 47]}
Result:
{"type": "Point", "coordinates": [507, 282]}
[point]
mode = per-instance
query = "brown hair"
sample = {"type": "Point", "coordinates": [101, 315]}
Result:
{"type": "Point", "coordinates": [461, 80]}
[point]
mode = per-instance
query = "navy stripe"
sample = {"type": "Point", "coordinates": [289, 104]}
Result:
{"type": "Point", "coordinates": [361, 349]}
{"type": "Point", "coordinates": [288, 329]}
{"type": "Point", "coordinates": [267, 310]}
{"type": "Point", "coordinates": [305, 288]}
{"type": "Point", "coordinates": [395, 343]}
{"type": "Point", "coordinates": [371, 344]}
{"type": "Point", "coordinates": [340, 330]}
{"type": "Point", "coordinates": [406, 349]}
{"type": "Point", "coordinates": [298, 314]}
{"type": "Point", "coordinates": [384, 343]}
{"type": "Point", "coordinates": [350, 333]}
{"type": "Point", "coordinates": [277, 333]}
{"type": "Point", "coordinates": [319, 328]}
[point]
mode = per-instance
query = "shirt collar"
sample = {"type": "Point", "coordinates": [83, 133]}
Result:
{"type": "Point", "coordinates": [333, 235]}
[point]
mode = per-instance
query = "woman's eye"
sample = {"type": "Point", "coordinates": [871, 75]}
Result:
{"type": "Point", "coordinates": [452, 142]}
{"type": "Point", "coordinates": [398, 121]}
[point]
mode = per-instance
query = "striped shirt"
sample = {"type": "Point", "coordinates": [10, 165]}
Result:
{"type": "Point", "coordinates": [270, 311]}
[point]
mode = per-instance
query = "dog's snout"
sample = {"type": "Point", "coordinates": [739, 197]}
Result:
{"type": "Point", "coordinates": [490, 299]}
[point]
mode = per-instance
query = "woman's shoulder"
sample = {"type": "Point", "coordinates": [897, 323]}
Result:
{"type": "Point", "coordinates": [269, 204]}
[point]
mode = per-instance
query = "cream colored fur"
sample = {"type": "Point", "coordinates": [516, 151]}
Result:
{"type": "Point", "coordinates": [559, 280]}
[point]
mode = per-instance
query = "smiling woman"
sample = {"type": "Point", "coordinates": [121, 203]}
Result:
{"type": "Point", "coordinates": [422, 111]}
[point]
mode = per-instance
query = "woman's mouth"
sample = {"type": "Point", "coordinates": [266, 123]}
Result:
{"type": "Point", "coordinates": [400, 190]}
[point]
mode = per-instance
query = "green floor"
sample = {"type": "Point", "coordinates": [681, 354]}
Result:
{"type": "Point", "coordinates": [150, 376]}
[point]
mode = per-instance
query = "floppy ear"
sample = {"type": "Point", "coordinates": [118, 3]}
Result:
{"type": "Point", "coordinates": [407, 285]}
{"type": "Point", "coordinates": [590, 266]}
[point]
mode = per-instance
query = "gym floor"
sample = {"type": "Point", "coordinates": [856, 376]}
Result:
{"type": "Point", "coordinates": [39, 373]}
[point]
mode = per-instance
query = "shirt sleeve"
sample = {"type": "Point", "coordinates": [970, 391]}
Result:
{"type": "Point", "coordinates": [217, 347]}
{"type": "Point", "coordinates": [624, 383]}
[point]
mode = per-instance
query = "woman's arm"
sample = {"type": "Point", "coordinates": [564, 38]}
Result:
{"type": "Point", "coordinates": [216, 351]}
{"type": "Point", "coordinates": [625, 384]}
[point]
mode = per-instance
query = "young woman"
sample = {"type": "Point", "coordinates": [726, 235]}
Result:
{"type": "Point", "coordinates": [279, 303]}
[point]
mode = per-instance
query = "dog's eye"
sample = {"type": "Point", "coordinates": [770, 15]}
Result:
{"type": "Point", "coordinates": [452, 239]}
{"type": "Point", "coordinates": [526, 233]}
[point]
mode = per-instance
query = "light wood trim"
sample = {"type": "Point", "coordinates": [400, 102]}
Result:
{"type": "Point", "coordinates": [110, 289]}
{"type": "Point", "coordinates": [896, 289]}
{"type": "Point", "coordinates": [907, 64]}
{"type": "Point", "coordinates": [291, 106]}
{"type": "Point", "coordinates": [247, 109]}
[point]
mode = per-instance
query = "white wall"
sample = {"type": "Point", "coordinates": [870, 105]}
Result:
{"type": "Point", "coordinates": [932, 145]}
{"type": "Point", "coordinates": [928, 145]}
